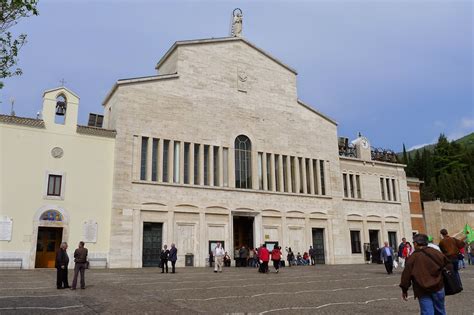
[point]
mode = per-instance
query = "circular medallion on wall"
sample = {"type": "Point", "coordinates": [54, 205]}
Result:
{"type": "Point", "coordinates": [57, 152]}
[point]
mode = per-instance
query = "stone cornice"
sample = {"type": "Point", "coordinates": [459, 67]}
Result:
{"type": "Point", "coordinates": [316, 112]}
{"type": "Point", "coordinates": [22, 121]}
{"type": "Point", "coordinates": [94, 131]}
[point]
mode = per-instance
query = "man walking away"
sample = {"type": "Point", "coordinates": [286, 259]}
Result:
{"type": "Point", "coordinates": [424, 272]}
{"type": "Point", "coordinates": [62, 260]}
{"type": "Point", "coordinates": [173, 257]}
{"type": "Point", "coordinates": [276, 257]}
{"type": "Point", "coordinates": [401, 259]}
{"type": "Point", "coordinates": [219, 255]}
{"type": "Point", "coordinates": [387, 257]}
{"type": "Point", "coordinates": [312, 254]}
{"type": "Point", "coordinates": [164, 259]}
{"type": "Point", "coordinates": [80, 258]}
{"type": "Point", "coordinates": [450, 247]}
{"type": "Point", "coordinates": [264, 257]}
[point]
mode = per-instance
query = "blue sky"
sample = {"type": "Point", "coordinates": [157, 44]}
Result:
{"type": "Point", "coordinates": [397, 71]}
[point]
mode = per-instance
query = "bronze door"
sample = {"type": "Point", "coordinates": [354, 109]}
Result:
{"type": "Point", "coordinates": [47, 245]}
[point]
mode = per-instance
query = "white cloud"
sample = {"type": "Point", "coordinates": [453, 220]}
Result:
{"type": "Point", "coordinates": [417, 146]}
{"type": "Point", "coordinates": [467, 123]}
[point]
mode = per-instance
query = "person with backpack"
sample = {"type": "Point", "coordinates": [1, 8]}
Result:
{"type": "Point", "coordinates": [450, 247]}
{"type": "Point", "coordinates": [424, 271]}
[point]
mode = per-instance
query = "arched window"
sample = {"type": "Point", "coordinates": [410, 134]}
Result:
{"type": "Point", "coordinates": [243, 168]}
{"type": "Point", "coordinates": [51, 215]}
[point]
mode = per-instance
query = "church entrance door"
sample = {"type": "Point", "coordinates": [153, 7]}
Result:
{"type": "Point", "coordinates": [47, 245]}
{"type": "Point", "coordinates": [152, 243]}
{"type": "Point", "coordinates": [243, 234]}
{"type": "Point", "coordinates": [318, 245]}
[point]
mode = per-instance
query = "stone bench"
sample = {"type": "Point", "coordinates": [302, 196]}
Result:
{"type": "Point", "coordinates": [97, 263]}
{"type": "Point", "coordinates": [11, 263]}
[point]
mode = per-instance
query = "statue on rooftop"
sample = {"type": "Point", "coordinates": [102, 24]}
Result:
{"type": "Point", "coordinates": [237, 23]}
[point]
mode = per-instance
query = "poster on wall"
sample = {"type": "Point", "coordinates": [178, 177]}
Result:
{"type": "Point", "coordinates": [89, 231]}
{"type": "Point", "coordinates": [6, 225]}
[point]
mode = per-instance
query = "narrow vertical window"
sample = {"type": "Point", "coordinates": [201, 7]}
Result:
{"type": "Point", "coordinates": [243, 174]}
{"type": "Point", "coordinates": [154, 161]}
{"type": "Point", "coordinates": [355, 242]}
{"type": "Point", "coordinates": [315, 177]}
{"type": "Point", "coordinates": [382, 188]}
{"type": "Point", "coordinates": [196, 163]}
{"type": "Point", "coordinates": [308, 176]}
{"type": "Point", "coordinates": [186, 162]}
{"type": "Point", "coordinates": [323, 177]}
{"type": "Point", "coordinates": [54, 185]}
{"type": "Point", "coordinates": [260, 170]}
{"type": "Point", "coordinates": [206, 165]}
{"type": "Point", "coordinates": [293, 175]}
{"type": "Point", "coordinates": [351, 185]}
{"type": "Point", "coordinates": [166, 148]}
{"type": "Point", "coordinates": [392, 240]}
{"type": "Point", "coordinates": [344, 180]}
{"type": "Point", "coordinates": [144, 158]}
{"type": "Point", "coordinates": [269, 171]}
{"type": "Point", "coordinates": [277, 172]}
{"type": "Point", "coordinates": [300, 164]}
{"type": "Point", "coordinates": [177, 158]}
{"type": "Point", "coordinates": [285, 175]}
{"type": "Point", "coordinates": [389, 194]}
{"type": "Point", "coordinates": [394, 189]}
{"type": "Point", "coordinates": [359, 194]}
{"type": "Point", "coordinates": [216, 166]}
{"type": "Point", "coordinates": [225, 166]}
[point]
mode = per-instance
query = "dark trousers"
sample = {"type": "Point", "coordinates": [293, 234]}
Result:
{"type": "Point", "coordinates": [79, 267]}
{"type": "Point", "coordinates": [313, 260]}
{"type": "Point", "coordinates": [164, 263]}
{"type": "Point", "coordinates": [243, 262]}
{"type": "Point", "coordinates": [263, 267]}
{"type": "Point", "coordinates": [389, 264]}
{"type": "Point", "coordinates": [61, 278]}
{"type": "Point", "coordinates": [276, 264]}
{"type": "Point", "coordinates": [173, 263]}
{"type": "Point", "coordinates": [455, 262]}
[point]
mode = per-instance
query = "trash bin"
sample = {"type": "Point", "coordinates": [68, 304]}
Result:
{"type": "Point", "coordinates": [189, 260]}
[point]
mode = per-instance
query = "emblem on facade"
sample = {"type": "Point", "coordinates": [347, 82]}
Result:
{"type": "Point", "coordinates": [57, 152]}
{"type": "Point", "coordinates": [236, 30]}
{"type": "Point", "coordinates": [242, 78]}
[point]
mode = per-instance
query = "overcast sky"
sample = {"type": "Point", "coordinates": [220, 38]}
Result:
{"type": "Point", "coordinates": [397, 71]}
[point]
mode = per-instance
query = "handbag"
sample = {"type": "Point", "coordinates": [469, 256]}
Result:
{"type": "Point", "coordinates": [450, 280]}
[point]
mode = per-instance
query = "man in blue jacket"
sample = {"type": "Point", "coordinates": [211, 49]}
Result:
{"type": "Point", "coordinates": [386, 254]}
{"type": "Point", "coordinates": [173, 256]}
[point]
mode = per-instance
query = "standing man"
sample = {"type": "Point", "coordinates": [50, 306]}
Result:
{"type": "Point", "coordinates": [450, 247]}
{"type": "Point", "coordinates": [62, 261]}
{"type": "Point", "coordinates": [312, 255]}
{"type": "Point", "coordinates": [243, 256]}
{"type": "Point", "coordinates": [387, 257]}
{"type": "Point", "coordinates": [173, 257]}
{"type": "Point", "coordinates": [80, 258]}
{"type": "Point", "coordinates": [423, 270]}
{"type": "Point", "coordinates": [164, 259]}
{"type": "Point", "coordinates": [401, 259]}
{"type": "Point", "coordinates": [219, 254]}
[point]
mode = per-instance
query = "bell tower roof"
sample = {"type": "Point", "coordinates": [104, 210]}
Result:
{"type": "Point", "coordinates": [59, 89]}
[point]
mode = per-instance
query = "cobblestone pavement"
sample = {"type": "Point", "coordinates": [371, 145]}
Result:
{"type": "Point", "coordinates": [342, 289]}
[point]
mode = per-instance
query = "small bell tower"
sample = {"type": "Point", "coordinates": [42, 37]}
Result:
{"type": "Point", "coordinates": [60, 109]}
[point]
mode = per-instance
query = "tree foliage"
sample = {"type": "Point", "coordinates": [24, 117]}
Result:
{"type": "Point", "coordinates": [447, 170]}
{"type": "Point", "coordinates": [11, 11]}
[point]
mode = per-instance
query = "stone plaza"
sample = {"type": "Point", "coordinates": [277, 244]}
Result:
{"type": "Point", "coordinates": [324, 289]}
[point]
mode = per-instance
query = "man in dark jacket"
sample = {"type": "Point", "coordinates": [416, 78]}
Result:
{"type": "Point", "coordinates": [62, 261]}
{"type": "Point", "coordinates": [164, 259]}
{"type": "Point", "coordinates": [80, 259]}
{"type": "Point", "coordinates": [173, 256]}
{"type": "Point", "coordinates": [422, 269]}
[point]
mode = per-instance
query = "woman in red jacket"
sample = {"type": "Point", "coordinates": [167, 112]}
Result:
{"type": "Point", "coordinates": [264, 257]}
{"type": "Point", "coordinates": [276, 257]}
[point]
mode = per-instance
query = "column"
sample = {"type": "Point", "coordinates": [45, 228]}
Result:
{"type": "Point", "coordinates": [171, 161]}
{"type": "Point", "coordinates": [191, 163]}
{"type": "Point", "coordinates": [210, 166]}
{"type": "Point", "coordinates": [311, 177]}
{"type": "Point", "coordinates": [318, 177]}
{"type": "Point", "coordinates": [254, 168]}
{"type": "Point", "coordinates": [221, 167]}
{"type": "Point", "coordinates": [170, 233]}
{"type": "Point", "coordinates": [272, 172]}
{"type": "Point", "coordinates": [136, 257]}
{"type": "Point", "coordinates": [258, 229]}
{"type": "Point", "coordinates": [297, 175]}
{"type": "Point", "coordinates": [203, 250]}
{"type": "Point", "coordinates": [303, 166]}
{"type": "Point", "coordinates": [160, 160]}
{"type": "Point", "coordinates": [181, 163]}
{"type": "Point", "coordinates": [288, 173]}
{"type": "Point", "coordinates": [201, 165]}
{"type": "Point", "coordinates": [280, 173]}
{"type": "Point", "coordinates": [264, 171]}
{"type": "Point", "coordinates": [136, 161]}
{"type": "Point", "coordinates": [149, 157]}
{"type": "Point", "coordinates": [284, 231]}
{"type": "Point", "coordinates": [231, 168]}
{"type": "Point", "coordinates": [383, 231]}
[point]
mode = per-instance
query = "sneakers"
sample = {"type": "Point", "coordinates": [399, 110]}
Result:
{"type": "Point", "coordinates": [278, 270]}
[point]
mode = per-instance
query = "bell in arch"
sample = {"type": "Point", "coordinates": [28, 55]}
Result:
{"type": "Point", "coordinates": [60, 105]}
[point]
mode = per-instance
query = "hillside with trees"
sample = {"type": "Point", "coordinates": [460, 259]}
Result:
{"type": "Point", "coordinates": [447, 169]}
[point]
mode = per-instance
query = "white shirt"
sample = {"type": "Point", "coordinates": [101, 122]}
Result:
{"type": "Point", "coordinates": [219, 251]}
{"type": "Point", "coordinates": [434, 246]}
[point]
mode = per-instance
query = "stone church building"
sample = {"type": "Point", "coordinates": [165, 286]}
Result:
{"type": "Point", "coordinates": [218, 147]}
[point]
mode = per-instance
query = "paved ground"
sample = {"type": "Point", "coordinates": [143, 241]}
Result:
{"type": "Point", "coordinates": [347, 289]}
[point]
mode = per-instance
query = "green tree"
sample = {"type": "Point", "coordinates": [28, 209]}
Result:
{"type": "Point", "coordinates": [11, 11]}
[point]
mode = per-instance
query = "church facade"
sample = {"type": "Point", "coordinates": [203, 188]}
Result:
{"type": "Point", "coordinates": [218, 147]}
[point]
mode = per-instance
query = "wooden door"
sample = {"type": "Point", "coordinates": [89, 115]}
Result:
{"type": "Point", "coordinates": [47, 245]}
